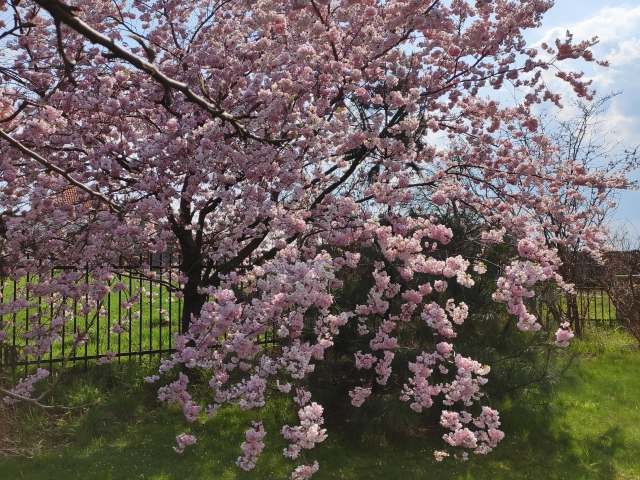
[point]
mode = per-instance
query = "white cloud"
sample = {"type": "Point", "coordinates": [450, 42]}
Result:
{"type": "Point", "coordinates": [628, 52]}
{"type": "Point", "coordinates": [616, 29]}
{"type": "Point", "coordinates": [626, 127]}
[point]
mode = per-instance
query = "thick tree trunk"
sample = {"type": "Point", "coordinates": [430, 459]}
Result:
{"type": "Point", "coordinates": [193, 301]}
{"type": "Point", "coordinates": [191, 267]}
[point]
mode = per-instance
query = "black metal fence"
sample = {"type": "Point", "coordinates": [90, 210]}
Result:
{"type": "Point", "coordinates": [590, 306]}
{"type": "Point", "coordinates": [138, 321]}
{"type": "Point", "coordinates": [141, 320]}
{"type": "Point", "coordinates": [595, 306]}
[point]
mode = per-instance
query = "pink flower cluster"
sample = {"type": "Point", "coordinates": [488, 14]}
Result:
{"type": "Point", "coordinates": [26, 386]}
{"type": "Point", "coordinates": [176, 393]}
{"type": "Point", "coordinates": [252, 447]}
{"type": "Point", "coordinates": [184, 440]}
{"type": "Point", "coordinates": [465, 387]}
{"type": "Point", "coordinates": [436, 318]}
{"type": "Point", "coordinates": [358, 396]}
{"type": "Point", "coordinates": [110, 354]}
{"type": "Point", "coordinates": [563, 335]}
{"type": "Point", "coordinates": [482, 440]}
{"type": "Point", "coordinates": [304, 472]}
{"type": "Point", "coordinates": [516, 285]}
{"type": "Point", "coordinates": [308, 433]}
{"type": "Point", "coordinates": [419, 387]}
{"type": "Point", "coordinates": [365, 361]}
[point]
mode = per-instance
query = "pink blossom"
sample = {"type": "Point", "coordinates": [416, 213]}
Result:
{"type": "Point", "coordinates": [26, 386]}
{"type": "Point", "coordinates": [439, 455]}
{"type": "Point", "coordinates": [493, 236]}
{"type": "Point", "coordinates": [563, 335]}
{"type": "Point", "coordinates": [304, 472]}
{"type": "Point", "coordinates": [365, 361]}
{"type": "Point", "coordinates": [358, 395]}
{"type": "Point", "coordinates": [252, 447]}
{"type": "Point", "coordinates": [444, 349]}
{"type": "Point", "coordinates": [308, 433]}
{"type": "Point", "coordinates": [440, 285]}
{"type": "Point", "coordinates": [184, 440]}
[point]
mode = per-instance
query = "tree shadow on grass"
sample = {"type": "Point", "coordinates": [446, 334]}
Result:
{"type": "Point", "coordinates": [130, 436]}
{"type": "Point", "coordinates": [143, 450]}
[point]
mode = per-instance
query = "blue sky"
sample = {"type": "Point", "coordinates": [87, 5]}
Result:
{"type": "Point", "coordinates": [617, 25]}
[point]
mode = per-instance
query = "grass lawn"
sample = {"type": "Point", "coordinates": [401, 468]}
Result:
{"type": "Point", "coordinates": [588, 428]}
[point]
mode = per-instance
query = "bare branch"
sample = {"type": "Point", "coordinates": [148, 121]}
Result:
{"type": "Point", "coordinates": [69, 65]}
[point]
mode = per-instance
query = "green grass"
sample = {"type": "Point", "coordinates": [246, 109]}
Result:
{"type": "Point", "coordinates": [588, 428]}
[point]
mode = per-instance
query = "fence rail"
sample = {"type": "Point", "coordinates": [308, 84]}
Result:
{"type": "Point", "coordinates": [588, 306]}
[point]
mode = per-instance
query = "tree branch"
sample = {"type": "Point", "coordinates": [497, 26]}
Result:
{"type": "Point", "coordinates": [42, 161]}
{"type": "Point", "coordinates": [65, 14]}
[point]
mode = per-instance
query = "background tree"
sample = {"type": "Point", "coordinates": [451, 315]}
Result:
{"type": "Point", "coordinates": [587, 139]}
{"type": "Point", "coordinates": [255, 136]}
